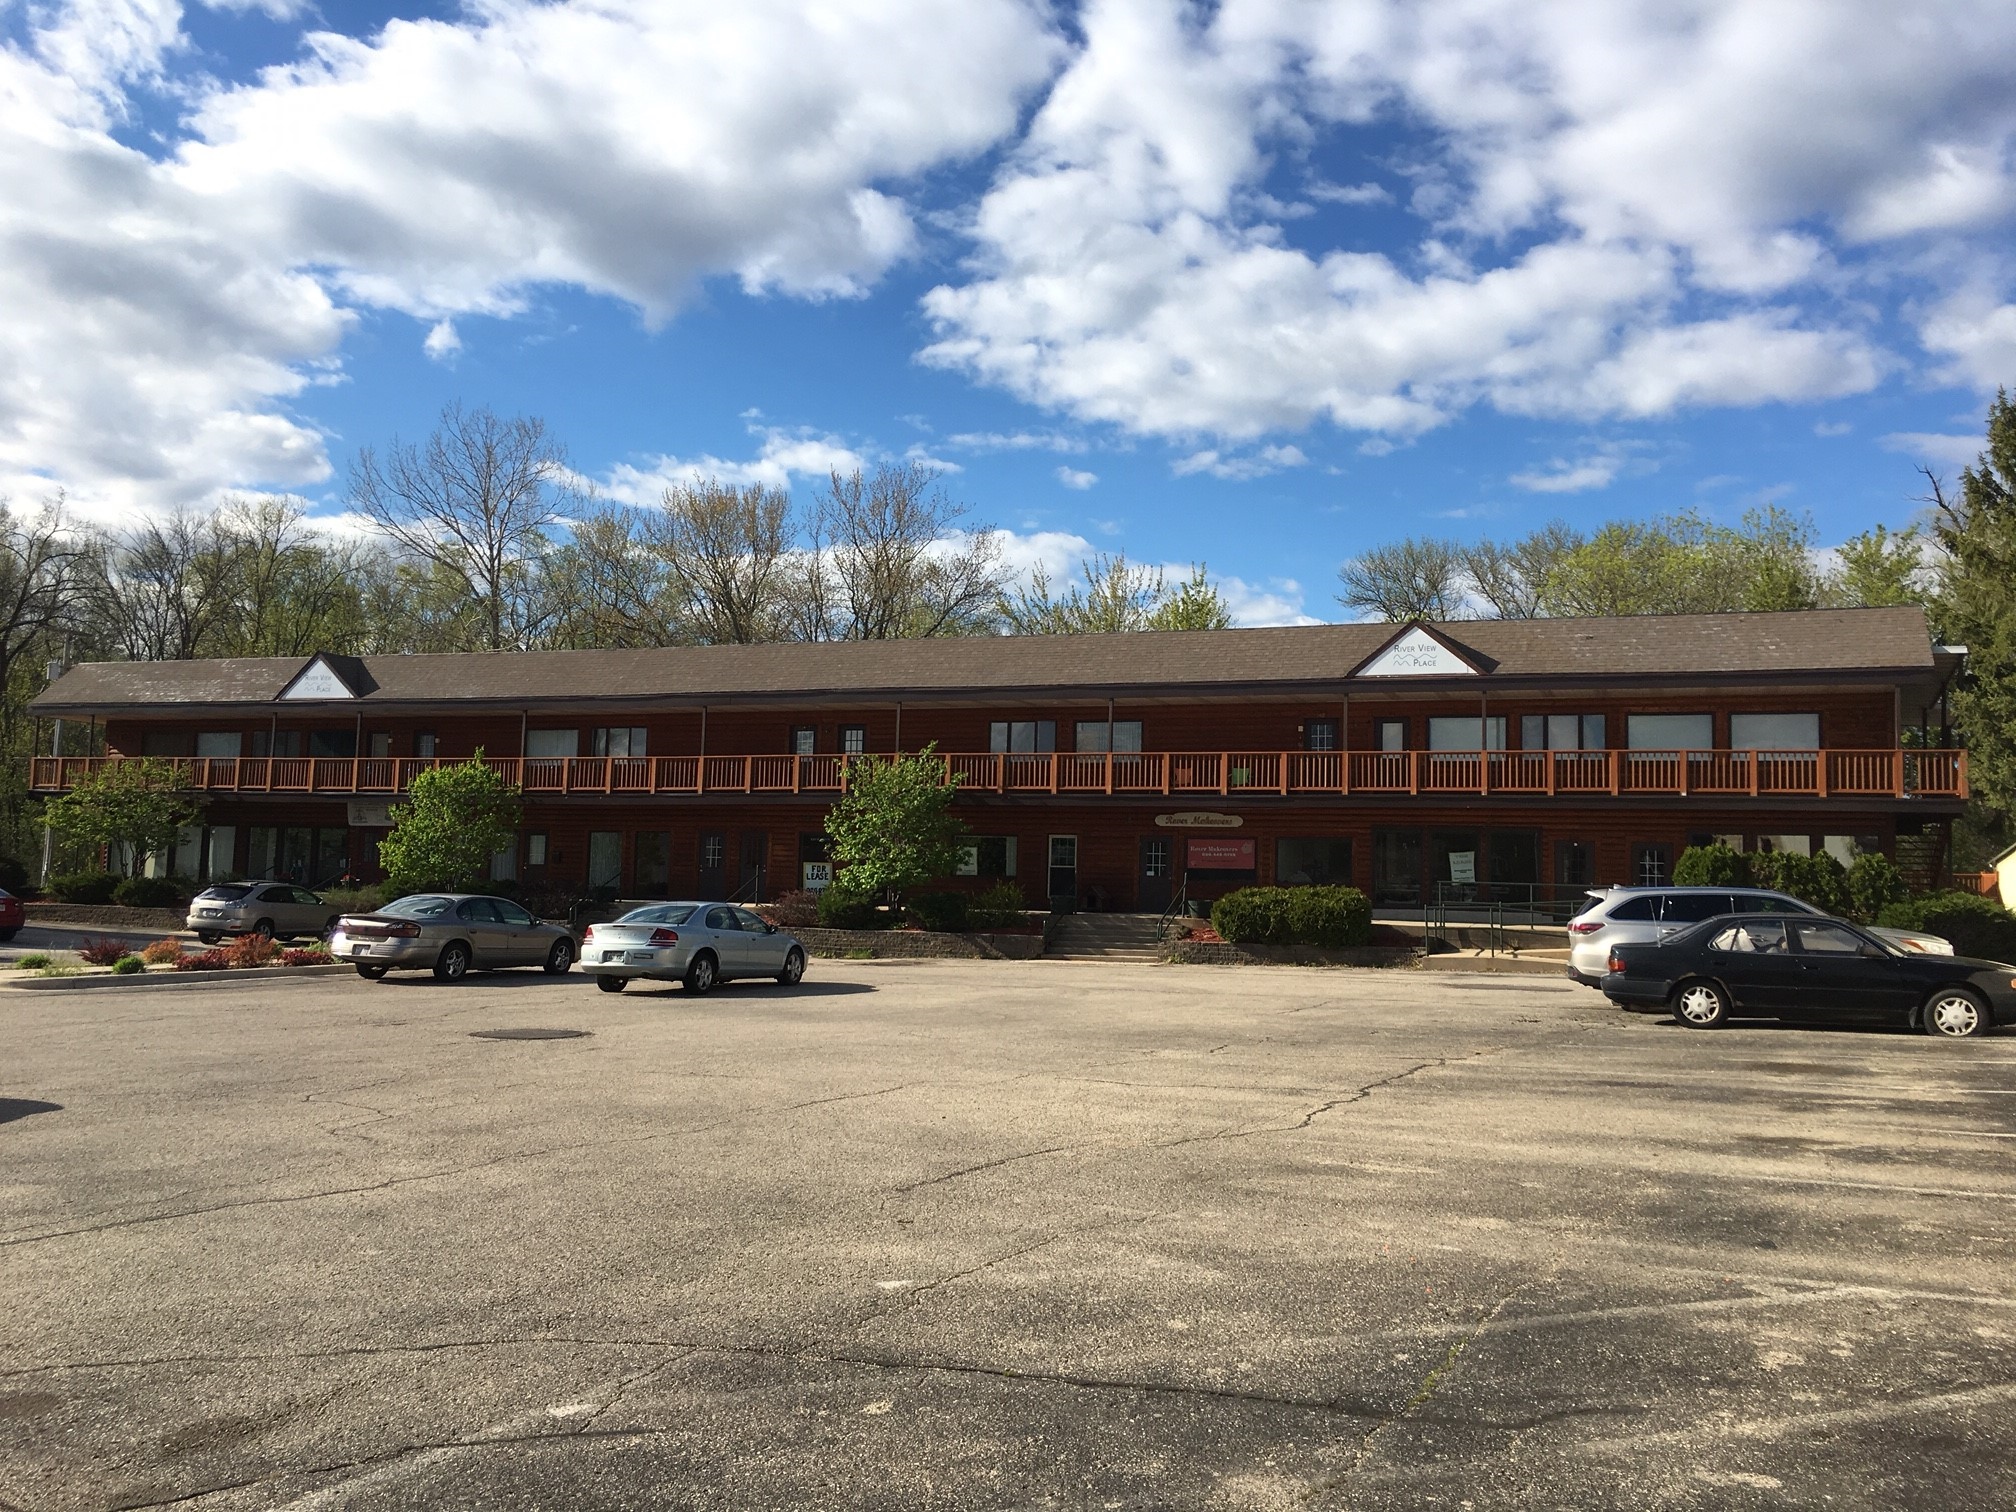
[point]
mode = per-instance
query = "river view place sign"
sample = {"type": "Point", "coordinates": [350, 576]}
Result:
{"type": "Point", "coordinates": [1416, 654]}
{"type": "Point", "coordinates": [1199, 820]}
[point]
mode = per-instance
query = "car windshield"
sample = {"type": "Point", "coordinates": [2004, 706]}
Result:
{"type": "Point", "coordinates": [664, 913]}
{"type": "Point", "coordinates": [419, 906]}
{"type": "Point", "coordinates": [226, 892]}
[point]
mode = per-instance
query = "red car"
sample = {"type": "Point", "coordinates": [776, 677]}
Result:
{"type": "Point", "coordinates": [12, 915]}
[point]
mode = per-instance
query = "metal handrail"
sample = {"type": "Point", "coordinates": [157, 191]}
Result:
{"type": "Point", "coordinates": [1179, 904]}
{"type": "Point", "coordinates": [1887, 773]}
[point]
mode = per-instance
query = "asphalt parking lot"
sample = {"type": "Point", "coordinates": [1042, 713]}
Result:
{"type": "Point", "coordinates": [986, 1235]}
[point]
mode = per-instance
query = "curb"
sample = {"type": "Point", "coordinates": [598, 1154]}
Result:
{"type": "Point", "coordinates": [240, 977]}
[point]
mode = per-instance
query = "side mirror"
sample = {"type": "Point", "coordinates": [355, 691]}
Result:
{"type": "Point", "coordinates": [768, 927]}
{"type": "Point", "coordinates": [1874, 953]}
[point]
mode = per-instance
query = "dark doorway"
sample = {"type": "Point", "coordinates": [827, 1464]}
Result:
{"type": "Point", "coordinates": [713, 866]}
{"type": "Point", "coordinates": [1153, 892]}
{"type": "Point", "coordinates": [1063, 873]}
{"type": "Point", "coordinates": [749, 886]}
{"type": "Point", "coordinates": [1515, 865]}
{"type": "Point", "coordinates": [1396, 866]}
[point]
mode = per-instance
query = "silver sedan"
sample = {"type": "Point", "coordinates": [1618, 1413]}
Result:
{"type": "Point", "coordinates": [695, 943]}
{"type": "Point", "coordinates": [449, 934]}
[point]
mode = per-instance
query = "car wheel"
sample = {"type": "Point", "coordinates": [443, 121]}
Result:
{"type": "Point", "coordinates": [560, 957]}
{"type": "Point", "coordinates": [794, 968]}
{"type": "Point", "coordinates": [1700, 1005]}
{"type": "Point", "coordinates": [370, 973]}
{"type": "Point", "coordinates": [209, 939]}
{"type": "Point", "coordinates": [454, 962]}
{"type": "Point", "coordinates": [263, 929]}
{"type": "Point", "coordinates": [1955, 1013]}
{"type": "Point", "coordinates": [703, 973]}
{"type": "Point", "coordinates": [612, 984]}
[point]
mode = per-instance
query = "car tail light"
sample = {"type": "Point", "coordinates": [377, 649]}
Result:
{"type": "Point", "coordinates": [664, 937]}
{"type": "Point", "coordinates": [1616, 962]}
{"type": "Point", "coordinates": [587, 935]}
{"type": "Point", "coordinates": [1578, 927]}
{"type": "Point", "coordinates": [404, 930]}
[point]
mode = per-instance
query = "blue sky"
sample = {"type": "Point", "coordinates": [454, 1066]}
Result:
{"type": "Point", "coordinates": [1260, 283]}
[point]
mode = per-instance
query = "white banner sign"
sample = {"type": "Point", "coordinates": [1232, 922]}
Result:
{"type": "Point", "coordinates": [818, 875]}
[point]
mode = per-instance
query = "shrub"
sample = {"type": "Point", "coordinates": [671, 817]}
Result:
{"type": "Point", "coordinates": [1819, 880]}
{"type": "Point", "coordinates": [306, 955]}
{"type": "Point", "coordinates": [162, 953]}
{"type": "Point", "coordinates": [152, 892]}
{"type": "Point", "coordinates": [251, 950]}
{"type": "Point", "coordinates": [999, 907]}
{"type": "Point", "coordinates": [128, 965]}
{"type": "Point", "coordinates": [207, 960]}
{"type": "Point", "coordinates": [1711, 866]}
{"type": "Point", "coordinates": [342, 900]}
{"type": "Point", "coordinates": [1331, 916]}
{"type": "Point", "coordinates": [84, 887]}
{"type": "Point", "coordinates": [1874, 884]}
{"type": "Point", "coordinates": [940, 912]}
{"type": "Point", "coordinates": [1976, 926]}
{"type": "Point", "coordinates": [795, 909]}
{"type": "Point", "coordinates": [845, 908]}
{"type": "Point", "coordinates": [13, 876]}
{"type": "Point", "coordinates": [33, 961]}
{"type": "Point", "coordinates": [101, 952]}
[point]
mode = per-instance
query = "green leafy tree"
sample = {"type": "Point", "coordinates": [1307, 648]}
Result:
{"type": "Point", "coordinates": [1711, 866]}
{"type": "Point", "coordinates": [1974, 604]}
{"type": "Point", "coordinates": [1881, 566]}
{"type": "Point", "coordinates": [1116, 596]}
{"type": "Point", "coordinates": [454, 820]}
{"type": "Point", "coordinates": [893, 829]}
{"type": "Point", "coordinates": [140, 804]}
{"type": "Point", "coordinates": [1193, 604]}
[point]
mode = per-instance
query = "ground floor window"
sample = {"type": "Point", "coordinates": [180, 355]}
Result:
{"type": "Point", "coordinates": [605, 859]}
{"type": "Point", "coordinates": [1574, 863]}
{"type": "Point", "coordinates": [1651, 865]}
{"type": "Point", "coordinates": [1312, 862]}
{"type": "Point", "coordinates": [1396, 866]}
{"type": "Point", "coordinates": [651, 862]}
{"type": "Point", "coordinates": [535, 848]}
{"type": "Point", "coordinates": [989, 856]}
{"type": "Point", "coordinates": [313, 857]}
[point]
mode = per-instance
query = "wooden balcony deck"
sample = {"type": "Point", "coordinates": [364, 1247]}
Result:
{"type": "Point", "coordinates": [1731, 774]}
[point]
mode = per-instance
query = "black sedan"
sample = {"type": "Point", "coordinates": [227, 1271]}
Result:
{"type": "Point", "coordinates": [1789, 967]}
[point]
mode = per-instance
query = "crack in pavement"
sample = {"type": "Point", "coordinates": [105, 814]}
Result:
{"type": "Point", "coordinates": [985, 1165]}
{"type": "Point", "coordinates": [1359, 1095]}
{"type": "Point", "coordinates": [481, 1165]}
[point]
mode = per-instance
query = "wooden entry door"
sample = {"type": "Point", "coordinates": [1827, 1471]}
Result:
{"type": "Point", "coordinates": [755, 858]}
{"type": "Point", "coordinates": [1153, 888]}
{"type": "Point", "coordinates": [713, 866]}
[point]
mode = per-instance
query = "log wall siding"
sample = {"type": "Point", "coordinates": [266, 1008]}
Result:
{"type": "Point", "coordinates": [1854, 719]}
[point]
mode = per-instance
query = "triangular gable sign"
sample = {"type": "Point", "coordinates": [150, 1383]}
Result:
{"type": "Point", "coordinates": [318, 680]}
{"type": "Point", "coordinates": [1417, 651]}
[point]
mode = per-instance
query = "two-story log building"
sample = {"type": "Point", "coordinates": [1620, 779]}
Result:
{"type": "Point", "coordinates": [1504, 758]}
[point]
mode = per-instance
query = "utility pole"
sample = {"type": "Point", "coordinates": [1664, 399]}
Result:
{"type": "Point", "coordinates": [55, 670]}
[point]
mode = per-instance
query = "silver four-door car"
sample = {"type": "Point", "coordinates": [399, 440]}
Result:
{"type": "Point", "coordinates": [1646, 915]}
{"type": "Point", "coordinates": [695, 943]}
{"type": "Point", "coordinates": [261, 908]}
{"type": "Point", "coordinates": [450, 934]}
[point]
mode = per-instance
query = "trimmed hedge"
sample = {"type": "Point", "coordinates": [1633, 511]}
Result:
{"type": "Point", "coordinates": [842, 908]}
{"type": "Point", "coordinates": [151, 892]}
{"type": "Point", "coordinates": [1976, 926]}
{"type": "Point", "coordinates": [941, 912]}
{"type": "Point", "coordinates": [84, 887]}
{"type": "Point", "coordinates": [1332, 916]}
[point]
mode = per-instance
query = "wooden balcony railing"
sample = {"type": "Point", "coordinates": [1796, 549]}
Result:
{"type": "Point", "coordinates": [1728, 774]}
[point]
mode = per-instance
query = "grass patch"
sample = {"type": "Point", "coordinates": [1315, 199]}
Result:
{"type": "Point", "coordinates": [33, 962]}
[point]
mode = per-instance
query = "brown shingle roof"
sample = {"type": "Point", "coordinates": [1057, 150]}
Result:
{"type": "Point", "coordinates": [1822, 641]}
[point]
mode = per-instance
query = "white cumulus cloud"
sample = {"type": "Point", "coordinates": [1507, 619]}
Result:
{"type": "Point", "coordinates": [1071, 477]}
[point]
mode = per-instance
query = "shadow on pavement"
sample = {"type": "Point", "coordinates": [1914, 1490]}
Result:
{"type": "Point", "coordinates": [12, 1108]}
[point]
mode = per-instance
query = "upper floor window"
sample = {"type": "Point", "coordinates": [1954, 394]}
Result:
{"type": "Point", "coordinates": [219, 743]}
{"type": "Point", "coordinates": [425, 744]}
{"type": "Point", "coordinates": [1022, 735]}
{"type": "Point", "coordinates": [552, 744]}
{"type": "Point", "coordinates": [1562, 732]}
{"type": "Point", "coordinates": [1391, 734]}
{"type": "Point", "coordinates": [276, 742]}
{"type": "Point", "coordinates": [618, 740]}
{"type": "Point", "coordinates": [1670, 732]}
{"type": "Point", "coordinates": [1319, 734]}
{"type": "Point", "coordinates": [381, 742]}
{"type": "Point", "coordinates": [1774, 732]}
{"type": "Point", "coordinates": [1461, 734]}
{"type": "Point", "coordinates": [854, 739]}
{"type": "Point", "coordinates": [804, 739]}
{"type": "Point", "coordinates": [1091, 735]}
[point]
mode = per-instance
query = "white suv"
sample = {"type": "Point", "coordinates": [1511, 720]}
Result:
{"type": "Point", "coordinates": [1635, 915]}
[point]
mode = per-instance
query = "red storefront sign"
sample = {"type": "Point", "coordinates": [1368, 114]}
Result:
{"type": "Point", "coordinates": [1220, 855]}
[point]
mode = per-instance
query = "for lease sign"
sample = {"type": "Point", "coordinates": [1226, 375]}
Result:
{"type": "Point", "coordinates": [1220, 855]}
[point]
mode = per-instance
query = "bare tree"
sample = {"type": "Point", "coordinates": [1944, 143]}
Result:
{"type": "Point", "coordinates": [892, 556]}
{"type": "Point", "coordinates": [608, 587]}
{"type": "Point", "coordinates": [1513, 579]}
{"type": "Point", "coordinates": [730, 551]}
{"type": "Point", "coordinates": [474, 503]}
{"type": "Point", "coordinates": [293, 589]}
{"type": "Point", "coordinates": [1411, 579]}
{"type": "Point", "coordinates": [163, 590]}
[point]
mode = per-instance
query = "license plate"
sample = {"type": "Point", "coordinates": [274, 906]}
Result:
{"type": "Point", "coordinates": [360, 950]}
{"type": "Point", "coordinates": [210, 913]}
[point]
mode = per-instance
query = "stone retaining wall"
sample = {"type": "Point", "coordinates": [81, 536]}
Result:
{"type": "Point", "coordinates": [1197, 953]}
{"type": "Point", "coordinates": [110, 915]}
{"type": "Point", "coordinates": [918, 944]}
